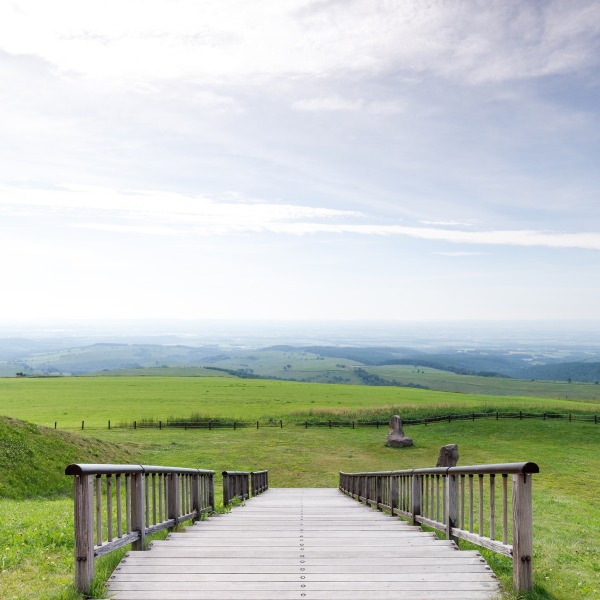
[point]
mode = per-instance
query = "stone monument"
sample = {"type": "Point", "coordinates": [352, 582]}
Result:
{"type": "Point", "coordinates": [396, 437]}
{"type": "Point", "coordinates": [448, 456]}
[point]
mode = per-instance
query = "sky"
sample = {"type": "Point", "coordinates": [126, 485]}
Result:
{"type": "Point", "coordinates": [299, 159]}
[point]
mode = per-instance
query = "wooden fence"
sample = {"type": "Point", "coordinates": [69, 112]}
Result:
{"type": "Point", "coordinates": [118, 505]}
{"type": "Point", "coordinates": [330, 423]}
{"type": "Point", "coordinates": [438, 498]}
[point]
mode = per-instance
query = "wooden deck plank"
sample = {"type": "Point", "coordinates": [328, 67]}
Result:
{"type": "Point", "coordinates": [304, 544]}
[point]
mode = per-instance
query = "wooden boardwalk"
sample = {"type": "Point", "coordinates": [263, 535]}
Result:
{"type": "Point", "coordinates": [305, 544]}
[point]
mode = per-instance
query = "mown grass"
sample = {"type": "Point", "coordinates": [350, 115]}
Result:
{"type": "Point", "coordinates": [68, 401]}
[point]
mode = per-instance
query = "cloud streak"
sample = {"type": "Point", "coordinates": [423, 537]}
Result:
{"type": "Point", "coordinates": [170, 214]}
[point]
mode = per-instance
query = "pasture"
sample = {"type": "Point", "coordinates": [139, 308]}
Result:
{"type": "Point", "coordinates": [95, 400]}
{"type": "Point", "coordinates": [37, 560]}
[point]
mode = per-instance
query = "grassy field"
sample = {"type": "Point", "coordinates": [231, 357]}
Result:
{"type": "Point", "coordinates": [36, 561]}
{"type": "Point", "coordinates": [498, 386]}
{"type": "Point", "coordinates": [95, 400]}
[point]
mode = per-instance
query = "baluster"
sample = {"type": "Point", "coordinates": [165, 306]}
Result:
{"type": "Point", "coordinates": [127, 502]}
{"type": "Point", "coordinates": [147, 499]}
{"type": "Point", "coordinates": [492, 506]}
{"type": "Point", "coordinates": [119, 508]}
{"type": "Point", "coordinates": [437, 498]}
{"type": "Point", "coordinates": [444, 491]}
{"type": "Point", "coordinates": [166, 495]}
{"type": "Point", "coordinates": [481, 532]}
{"type": "Point", "coordinates": [109, 516]}
{"type": "Point", "coordinates": [160, 498]}
{"type": "Point", "coordinates": [432, 483]}
{"type": "Point", "coordinates": [471, 503]}
{"type": "Point", "coordinates": [153, 498]}
{"type": "Point", "coordinates": [426, 503]}
{"type": "Point", "coordinates": [462, 501]}
{"type": "Point", "coordinates": [504, 508]}
{"type": "Point", "coordinates": [99, 510]}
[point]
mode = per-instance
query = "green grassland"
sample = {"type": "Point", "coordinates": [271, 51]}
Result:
{"type": "Point", "coordinates": [496, 386]}
{"type": "Point", "coordinates": [96, 400]}
{"type": "Point", "coordinates": [36, 561]}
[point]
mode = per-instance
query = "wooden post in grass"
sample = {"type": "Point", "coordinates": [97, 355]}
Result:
{"type": "Point", "coordinates": [84, 532]}
{"type": "Point", "coordinates": [522, 532]}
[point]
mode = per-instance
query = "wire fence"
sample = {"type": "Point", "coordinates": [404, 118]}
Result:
{"type": "Point", "coordinates": [327, 423]}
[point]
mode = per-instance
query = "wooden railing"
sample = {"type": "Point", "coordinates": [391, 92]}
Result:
{"type": "Point", "coordinates": [259, 482]}
{"type": "Point", "coordinates": [131, 502]}
{"type": "Point", "coordinates": [238, 484]}
{"type": "Point", "coordinates": [448, 500]}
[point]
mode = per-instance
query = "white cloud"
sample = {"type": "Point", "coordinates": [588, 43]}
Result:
{"type": "Point", "coordinates": [232, 39]}
{"type": "Point", "coordinates": [327, 104]}
{"type": "Point", "coordinates": [167, 213]}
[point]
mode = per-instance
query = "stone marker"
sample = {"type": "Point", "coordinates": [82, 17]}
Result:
{"type": "Point", "coordinates": [396, 437]}
{"type": "Point", "coordinates": [448, 456]}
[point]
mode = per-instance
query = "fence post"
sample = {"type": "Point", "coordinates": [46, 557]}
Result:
{"type": "Point", "coordinates": [451, 505]}
{"type": "Point", "coordinates": [416, 497]}
{"type": "Point", "coordinates": [378, 491]}
{"type": "Point", "coordinates": [84, 532]}
{"type": "Point", "coordinates": [82, 424]}
{"type": "Point", "coordinates": [174, 497]}
{"type": "Point", "coordinates": [138, 521]}
{"type": "Point", "coordinates": [522, 532]}
{"type": "Point", "coordinates": [109, 423]}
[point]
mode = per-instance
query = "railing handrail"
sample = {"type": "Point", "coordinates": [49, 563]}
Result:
{"type": "Point", "coordinates": [433, 497]}
{"type": "Point", "coordinates": [106, 469]}
{"type": "Point", "coordinates": [521, 468]}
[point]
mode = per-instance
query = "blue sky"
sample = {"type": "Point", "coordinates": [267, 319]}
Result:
{"type": "Point", "coordinates": [295, 159]}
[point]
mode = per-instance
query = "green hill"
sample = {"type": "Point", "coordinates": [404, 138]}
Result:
{"type": "Point", "coordinates": [33, 459]}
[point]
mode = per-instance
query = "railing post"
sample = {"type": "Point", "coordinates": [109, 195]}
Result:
{"type": "Point", "coordinates": [211, 491]}
{"type": "Point", "coordinates": [378, 492]}
{"type": "Point", "coordinates": [174, 497]}
{"type": "Point", "coordinates": [138, 521]}
{"type": "Point", "coordinates": [416, 497]}
{"type": "Point", "coordinates": [522, 532]}
{"type": "Point", "coordinates": [196, 503]}
{"type": "Point", "coordinates": [451, 505]}
{"type": "Point", "coordinates": [84, 532]}
{"type": "Point", "coordinates": [394, 493]}
{"type": "Point", "coordinates": [226, 490]}
{"type": "Point", "coordinates": [245, 487]}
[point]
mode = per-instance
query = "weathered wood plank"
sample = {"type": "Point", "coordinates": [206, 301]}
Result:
{"type": "Point", "coordinates": [312, 544]}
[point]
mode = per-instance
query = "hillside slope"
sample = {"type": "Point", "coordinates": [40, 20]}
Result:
{"type": "Point", "coordinates": [33, 458]}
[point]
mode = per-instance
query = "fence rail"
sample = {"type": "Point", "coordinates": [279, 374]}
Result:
{"type": "Point", "coordinates": [439, 498]}
{"type": "Point", "coordinates": [142, 500]}
{"type": "Point", "coordinates": [330, 423]}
